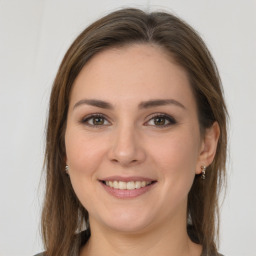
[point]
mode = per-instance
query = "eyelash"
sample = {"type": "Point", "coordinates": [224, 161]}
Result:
{"type": "Point", "coordinates": [90, 117]}
{"type": "Point", "coordinates": [171, 120]}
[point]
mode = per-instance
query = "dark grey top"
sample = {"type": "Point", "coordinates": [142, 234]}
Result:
{"type": "Point", "coordinates": [85, 235]}
{"type": "Point", "coordinates": [42, 254]}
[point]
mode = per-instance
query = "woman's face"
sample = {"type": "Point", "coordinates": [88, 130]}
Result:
{"type": "Point", "coordinates": [133, 143]}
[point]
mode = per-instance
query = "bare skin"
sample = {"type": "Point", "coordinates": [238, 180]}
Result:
{"type": "Point", "coordinates": [133, 118]}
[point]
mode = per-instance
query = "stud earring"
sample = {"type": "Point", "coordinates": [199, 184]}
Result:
{"type": "Point", "coordinates": [203, 168]}
{"type": "Point", "coordinates": [66, 169]}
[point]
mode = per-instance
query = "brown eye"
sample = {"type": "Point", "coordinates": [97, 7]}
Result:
{"type": "Point", "coordinates": [161, 121]}
{"type": "Point", "coordinates": [95, 120]}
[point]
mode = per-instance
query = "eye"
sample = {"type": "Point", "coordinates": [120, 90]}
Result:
{"type": "Point", "coordinates": [161, 120]}
{"type": "Point", "coordinates": [95, 120]}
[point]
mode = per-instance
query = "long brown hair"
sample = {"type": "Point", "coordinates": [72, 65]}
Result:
{"type": "Point", "coordinates": [63, 214]}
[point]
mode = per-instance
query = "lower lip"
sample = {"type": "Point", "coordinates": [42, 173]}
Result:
{"type": "Point", "coordinates": [126, 193]}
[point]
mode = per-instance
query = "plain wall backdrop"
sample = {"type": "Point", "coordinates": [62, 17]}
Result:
{"type": "Point", "coordinates": [35, 34]}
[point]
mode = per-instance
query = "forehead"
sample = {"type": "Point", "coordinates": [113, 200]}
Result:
{"type": "Point", "coordinates": [130, 72]}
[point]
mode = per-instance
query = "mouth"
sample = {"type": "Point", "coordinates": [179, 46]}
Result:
{"type": "Point", "coordinates": [130, 185]}
{"type": "Point", "coordinates": [127, 188]}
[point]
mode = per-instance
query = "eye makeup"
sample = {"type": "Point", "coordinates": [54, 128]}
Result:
{"type": "Point", "coordinates": [159, 120]}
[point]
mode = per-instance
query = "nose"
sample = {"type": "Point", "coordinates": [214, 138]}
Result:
{"type": "Point", "coordinates": [126, 146]}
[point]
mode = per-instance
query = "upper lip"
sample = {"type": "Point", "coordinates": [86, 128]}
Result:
{"type": "Point", "coordinates": [127, 179]}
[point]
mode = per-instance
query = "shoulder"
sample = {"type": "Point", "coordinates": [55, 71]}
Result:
{"type": "Point", "coordinates": [80, 238]}
{"type": "Point", "coordinates": [205, 254]}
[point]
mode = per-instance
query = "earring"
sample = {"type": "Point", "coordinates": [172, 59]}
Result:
{"type": "Point", "coordinates": [66, 169]}
{"type": "Point", "coordinates": [203, 168]}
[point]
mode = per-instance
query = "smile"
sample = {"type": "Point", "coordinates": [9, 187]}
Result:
{"type": "Point", "coordinates": [127, 188]}
{"type": "Point", "coordinates": [130, 185]}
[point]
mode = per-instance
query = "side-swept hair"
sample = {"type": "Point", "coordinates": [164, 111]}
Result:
{"type": "Point", "coordinates": [63, 214]}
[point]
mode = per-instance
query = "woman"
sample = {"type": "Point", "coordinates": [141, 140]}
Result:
{"type": "Point", "coordinates": [136, 141]}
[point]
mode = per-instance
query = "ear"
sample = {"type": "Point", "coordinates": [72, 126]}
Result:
{"type": "Point", "coordinates": [208, 147]}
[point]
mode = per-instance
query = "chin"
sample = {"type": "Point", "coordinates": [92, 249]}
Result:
{"type": "Point", "coordinates": [127, 223]}
{"type": "Point", "coordinates": [128, 227]}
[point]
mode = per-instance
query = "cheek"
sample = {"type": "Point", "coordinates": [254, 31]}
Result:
{"type": "Point", "coordinates": [83, 153]}
{"type": "Point", "coordinates": [84, 156]}
{"type": "Point", "coordinates": [176, 157]}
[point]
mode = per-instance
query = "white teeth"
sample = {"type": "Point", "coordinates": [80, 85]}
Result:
{"type": "Point", "coordinates": [130, 185]}
{"type": "Point", "coordinates": [115, 184]}
{"type": "Point", "coordinates": [121, 185]}
{"type": "Point", "coordinates": [137, 184]}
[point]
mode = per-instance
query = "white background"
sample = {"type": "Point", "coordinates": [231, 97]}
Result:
{"type": "Point", "coordinates": [34, 35]}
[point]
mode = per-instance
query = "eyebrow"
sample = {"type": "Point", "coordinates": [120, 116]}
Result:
{"type": "Point", "coordinates": [95, 103]}
{"type": "Point", "coordinates": [160, 102]}
{"type": "Point", "coordinates": [142, 105]}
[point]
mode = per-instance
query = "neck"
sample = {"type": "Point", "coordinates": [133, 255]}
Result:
{"type": "Point", "coordinates": [168, 239]}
